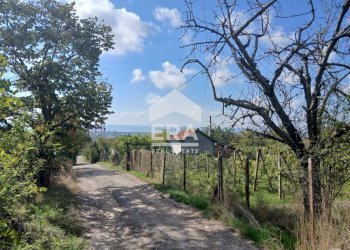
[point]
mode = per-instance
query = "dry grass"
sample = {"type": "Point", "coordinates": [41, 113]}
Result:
{"type": "Point", "coordinates": [331, 233]}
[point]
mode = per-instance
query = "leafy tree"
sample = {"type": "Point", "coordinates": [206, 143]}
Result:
{"type": "Point", "coordinates": [54, 56]}
{"type": "Point", "coordinates": [224, 136]}
{"type": "Point", "coordinates": [18, 164]}
{"type": "Point", "coordinates": [101, 148]}
{"type": "Point", "coordinates": [294, 84]}
{"type": "Point", "coordinates": [9, 106]}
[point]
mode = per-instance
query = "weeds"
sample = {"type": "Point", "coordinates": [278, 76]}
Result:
{"type": "Point", "coordinates": [54, 221]}
{"type": "Point", "coordinates": [330, 233]}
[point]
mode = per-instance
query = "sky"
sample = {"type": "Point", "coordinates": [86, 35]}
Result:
{"type": "Point", "coordinates": [145, 64]}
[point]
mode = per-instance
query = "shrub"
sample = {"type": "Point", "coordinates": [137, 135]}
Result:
{"type": "Point", "coordinates": [17, 186]}
{"type": "Point", "coordinates": [91, 153]}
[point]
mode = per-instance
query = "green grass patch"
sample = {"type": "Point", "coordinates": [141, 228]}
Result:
{"type": "Point", "coordinates": [269, 199]}
{"type": "Point", "coordinates": [53, 220]}
{"type": "Point", "coordinates": [265, 235]}
{"type": "Point", "coordinates": [345, 193]}
{"type": "Point", "coordinates": [198, 202]}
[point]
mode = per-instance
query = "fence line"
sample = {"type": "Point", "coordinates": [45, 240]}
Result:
{"type": "Point", "coordinates": [212, 176]}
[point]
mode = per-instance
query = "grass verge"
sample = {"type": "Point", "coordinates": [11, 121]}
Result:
{"type": "Point", "coordinates": [53, 221]}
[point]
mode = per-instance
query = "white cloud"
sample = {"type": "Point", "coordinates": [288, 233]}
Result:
{"type": "Point", "coordinates": [277, 36]}
{"type": "Point", "coordinates": [169, 77]}
{"type": "Point", "coordinates": [168, 15]}
{"type": "Point", "coordinates": [332, 57]}
{"type": "Point", "coordinates": [289, 78]}
{"type": "Point", "coordinates": [222, 74]}
{"type": "Point", "coordinates": [137, 76]}
{"type": "Point", "coordinates": [346, 85]}
{"type": "Point", "coordinates": [128, 118]}
{"type": "Point", "coordinates": [128, 28]}
{"type": "Point", "coordinates": [187, 38]}
{"type": "Point", "coordinates": [152, 98]}
{"type": "Point", "coordinates": [295, 103]}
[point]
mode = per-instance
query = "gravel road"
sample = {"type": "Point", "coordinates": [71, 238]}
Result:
{"type": "Point", "coordinates": [121, 212]}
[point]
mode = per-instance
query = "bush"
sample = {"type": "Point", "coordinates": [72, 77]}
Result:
{"type": "Point", "coordinates": [17, 185]}
{"type": "Point", "coordinates": [91, 153]}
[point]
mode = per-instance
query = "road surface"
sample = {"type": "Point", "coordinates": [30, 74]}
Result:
{"type": "Point", "coordinates": [121, 212]}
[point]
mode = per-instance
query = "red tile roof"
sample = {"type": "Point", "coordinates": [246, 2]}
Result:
{"type": "Point", "coordinates": [182, 135]}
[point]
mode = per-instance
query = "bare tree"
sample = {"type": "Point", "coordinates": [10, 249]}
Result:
{"type": "Point", "coordinates": [293, 81]}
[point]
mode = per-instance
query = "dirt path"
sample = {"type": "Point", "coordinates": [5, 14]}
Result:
{"type": "Point", "coordinates": [121, 212]}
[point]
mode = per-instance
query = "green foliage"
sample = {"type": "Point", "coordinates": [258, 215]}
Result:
{"type": "Point", "coordinates": [17, 186]}
{"type": "Point", "coordinates": [91, 153]}
{"type": "Point", "coordinates": [55, 57]}
{"type": "Point", "coordinates": [72, 140]}
{"type": "Point", "coordinates": [52, 221]}
{"type": "Point", "coordinates": [277, 217]}
{"type": "Point", "coordinates": [18, 165]}
{"type": "Point", "coordinates": [135, 142]}
{"type": "Point", "coordinates": [103, 149]}
{"type": "Point", "coordinates": [9, 105]}
{"type": "Point", "coordinates": [224, 136]}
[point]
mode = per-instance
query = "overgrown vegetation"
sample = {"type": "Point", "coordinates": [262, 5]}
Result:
{"type": "Point", "coordinates": [106, 149]}
{"type": "Point", "coordinates": [55, 95]}
{"type": "Point", "coordinates": [52, 220]}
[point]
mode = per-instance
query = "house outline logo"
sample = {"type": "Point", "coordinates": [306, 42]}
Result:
{"type": "Point", "coordinates": [175, 102]}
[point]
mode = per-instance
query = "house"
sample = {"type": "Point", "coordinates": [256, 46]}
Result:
{"type": "Point", "coordinates": [192, 141]}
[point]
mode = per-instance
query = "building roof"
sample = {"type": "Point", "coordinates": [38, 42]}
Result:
{"type": "Point", "coordinates": [183, 134]}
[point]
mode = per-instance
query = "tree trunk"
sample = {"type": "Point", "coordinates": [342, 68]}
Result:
{"type": "Point", "coordinates": [316, 186]}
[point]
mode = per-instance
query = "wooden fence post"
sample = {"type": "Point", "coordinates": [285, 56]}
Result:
{"type": "Point", "coordinates": [164, 165]}
{"type": "Point", "coordinates": [234, 167]}
{"type": "Point", "coordinates": [279, 166]}
{"type": "Point", "coordinates": [256, 170]}
{"type": "Point", "coordinates": [311, 203]}
{"type": "Point", "coordinates": [263, 166]}
{"type": "Point", "coordinates": [208, 169]}
{"type": "Point", "coordinates": [139, 161]}
{"type": "Point", "coordinates": [151, 164]}
{"type": "Point", "coordinates": [184, 173]}
{"type": "Point", "coordinates": [241, 161]}
{"type": "Point", "coordinates": [220, 179]}
{"type": "Point", "coordinates": [247, 194]}
{"type": "Point", "coordinates": [127, 157]}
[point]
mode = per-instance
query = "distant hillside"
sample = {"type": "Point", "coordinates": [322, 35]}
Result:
{"type": "Point", "coordinates": [100, 133]}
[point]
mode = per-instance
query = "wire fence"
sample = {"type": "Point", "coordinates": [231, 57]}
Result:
{"type": "Point", "coordinates": [244, 172]}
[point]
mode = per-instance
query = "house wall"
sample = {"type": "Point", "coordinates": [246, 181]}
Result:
{"type": "Point", "coordinates": [205, 144]}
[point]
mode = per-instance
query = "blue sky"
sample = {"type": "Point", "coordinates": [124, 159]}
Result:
{"type": "Point", "coordinates": [145, 63]}
{"type": "Point", "coordinates": [154, 46]}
